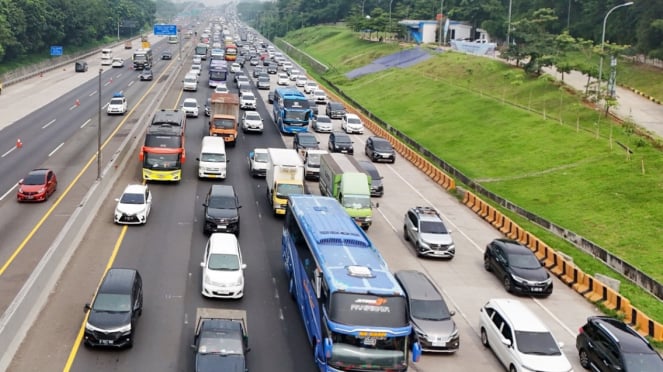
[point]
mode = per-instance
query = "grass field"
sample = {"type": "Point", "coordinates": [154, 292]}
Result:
{"type": "Point", "coordinates": [525, 138]}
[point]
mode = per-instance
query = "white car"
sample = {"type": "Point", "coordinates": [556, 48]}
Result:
{"type": "Point", "coordinates": [235, 67]}
{"type": "Point", "coordinates": [351, 123]}
{"type": "Point", "coordinates": [117, 62]}
{"type": "Point", "coordinates": [252, 122]}
{"type": "Point", "coordinates": [190, 82]}
{"type": "Point", "coordinates": [283, 79]}
{"type": "Point", "coordinates": [196, 69]}
{"type": "Point", "coordinates": [134, 206]}
{"type": "Point", "coordinates": [247, 101]}
{"type": "Point", "coordinates": [221, 88]}
{"type": "Point", "coordinates": [301, 81]}
{"type": "Point", "coordinates": [320, 96]}
{"type": "Point", "coordinates": [117, 105]}
{"type": "Point", "coordinates": [258, 162]}
{"type": "Point", "coordinates": [293, 74]}
{"type": "Point", "coordinates": [286, 65]}
{"type": "Point", "coordinates": [310, 86]}
{"type": "Point", "coordinates": [222, 267]}
{"type": "Point", "coordinates": [322, 123]}
{"type": "Point", "coordinates": [519, 339]}
{"type": "Point", "coordinates": [197, 60]}
{"type": "Point", "coordinates": [190, 107]}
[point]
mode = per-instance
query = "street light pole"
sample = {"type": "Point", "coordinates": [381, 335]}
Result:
{"type": "Point", "coordinates": [441, 16]}
{"type": "Point", "coordinates": [390, 1]}
{"type": "Point", "coordinates": [508, 27]}
{"type": "Point", "coordinates": [605, 20]}
{"type": "Point", "coordinates": [99, 130]}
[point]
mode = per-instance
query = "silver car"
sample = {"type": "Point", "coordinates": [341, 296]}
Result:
{"type": "Point", "coordinates": [322, 123]}
{"type": "Point", "coordinates": [429, 315]}
{"type": "Point", "coordinates": [423, 227]}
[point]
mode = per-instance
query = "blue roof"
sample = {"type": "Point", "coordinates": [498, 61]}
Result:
{"type": "Point", "coordinates": [118, 94]}
{"type": "Point", "coordinates": [290, 93]}
{"type": "Point", "coordinates": [339, 245]}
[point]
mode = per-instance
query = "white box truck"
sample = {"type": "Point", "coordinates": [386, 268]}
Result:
{"type": "Point", "coordinates": [285, 177]}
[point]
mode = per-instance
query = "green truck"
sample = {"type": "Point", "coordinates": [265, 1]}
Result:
{"type": "Point", "coordinates": [342, 178]}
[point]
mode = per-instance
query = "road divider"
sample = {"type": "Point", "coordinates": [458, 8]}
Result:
{"type": "Point", "coordinates": [563, 267]}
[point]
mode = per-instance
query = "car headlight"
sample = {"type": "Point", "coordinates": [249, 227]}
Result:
{"type": "Point", "coordinates": [420, 333]}
{"type": "Point", "coordinates": [423, 244]}
{"type": "Point", "coordinates": [519, 279]}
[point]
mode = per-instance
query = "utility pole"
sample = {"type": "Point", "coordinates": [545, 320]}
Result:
{"type": "Point", "coordinates": [99, 130]}
{"type": "Point", "coordinates": [441, 25]}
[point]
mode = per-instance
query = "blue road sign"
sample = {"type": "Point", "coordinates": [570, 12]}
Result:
{"type": "Point", "coordinates": [56, 50]}
{"type": "Point", "coordinates": [165, 30]}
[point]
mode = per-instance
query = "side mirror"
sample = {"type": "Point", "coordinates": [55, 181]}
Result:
{"type": "Point", "coordinates": [243, 266]}
{"type": "Point", "coordinates": [415, 229]}
{"type": "Point", "coordinates": [193, 347]}
{"type": "Point", "coordinates": [204, 204]}
{"type": "Point", "coordinates": [202, 264]}
{"type": "Point", "coordinates": [506, 342]}
{"type": "Point", "coordinates": [560, 344]}
{"type": "Point", "coordinates": [117, 200]}
{"type": "Point", "coordinates": [87, 307]}
{"type": "Point", "coordinates": [20, 182]}
{"type": "Point", "coordinates": [197, 159]}
{"type": "Point", "coordinates": [452, 312]}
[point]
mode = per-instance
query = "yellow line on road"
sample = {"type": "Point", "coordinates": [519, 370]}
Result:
{"type": "Point", "coordinates": [81, 331]}
{"type": "Point", "coordinates": [48, 213]}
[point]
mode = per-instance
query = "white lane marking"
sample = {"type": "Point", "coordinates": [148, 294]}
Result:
{"type": "Point", "coordinates": [47, 124]}
{"type": "Point", "coordinates": [559, 321]}
{"type": "Point", "coordinates": [92, 94]}
{"type": "Point", "coordinates": [86, 123]}
{"type": "Point", "coordinates": [131, 83]}
{"type": "Point", "coordinates": [72, 107]}
{"type": "Point", "coordinates": [107, 83]}
{"type": "Point", "coordinates": [104, 106]}
{"type": "Point", "coordinates": [9, 152]}
{"type": "Point", "coordinates": [56, 149]}
{"type": "Point", "coordinates": [8, 191]}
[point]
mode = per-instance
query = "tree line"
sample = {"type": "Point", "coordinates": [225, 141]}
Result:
{"type": "Point", "coordinates": [639, 26]}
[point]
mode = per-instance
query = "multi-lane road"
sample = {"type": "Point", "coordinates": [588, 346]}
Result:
{"type": "Point", "coordinates": [168, 249]}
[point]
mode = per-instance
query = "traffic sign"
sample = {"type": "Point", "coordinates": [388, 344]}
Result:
{"type": "Point", "coordinates": [165, 30]}
{"type": "Point", "coordinates": [56, 50]}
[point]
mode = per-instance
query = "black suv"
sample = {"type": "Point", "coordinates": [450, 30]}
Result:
{"type": "Point", "coordinates": [517, 267]}
{"type": "Point", "coordinates": [335, 110]}
{"type": "Point", "coordinates": [340, 142]}
{"type": "Point", "coordinates": [221, 210]}
{"type": "Point", "coordinates": [305, 141]}
{"type": "Point", "coordinates": [379, 149]}
{"type": "Point", "coordinates": [377, 187]}
{"type": "Point", "coordinates": [117, 305]}
{"type": "Point", "coordinates": [606, 344]}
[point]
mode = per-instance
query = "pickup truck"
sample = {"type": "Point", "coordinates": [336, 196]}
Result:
{"type": "Point", "coordinates": [221, 340]}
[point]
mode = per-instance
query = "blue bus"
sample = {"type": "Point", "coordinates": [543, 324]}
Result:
{"type": "Point", "coordinates": [291, 110]}
{"type": "Point", "coordinates": [354, 311]}
{"type": "Point", "coordinates": [218, 73]}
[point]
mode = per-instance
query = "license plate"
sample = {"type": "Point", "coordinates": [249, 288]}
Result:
{"type": "Point", "coordinates": [537, 289]}
{"type": "Point", "coordinates": [222, 227]}
{"type": "Point", "coordinates": [439, 343]}
{"type": "Point", "coordinates": [106, 342]}
{"type": "Point", "coordinates": [344, 151]}
{"type": "Point", "coordinates": [29, 197]}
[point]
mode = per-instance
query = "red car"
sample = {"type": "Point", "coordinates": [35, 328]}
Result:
{"type": "Point", "coordinates": [38, 185]}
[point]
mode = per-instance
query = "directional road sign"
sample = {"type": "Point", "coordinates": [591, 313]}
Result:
{"type": "Point", "coordinates": [165, 30]}
{"type": "Point", "coordinates": [56, 50]}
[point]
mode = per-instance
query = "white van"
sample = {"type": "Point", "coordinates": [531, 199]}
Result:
{"type": "Point", "coordinates": [106, 57]}
{"type": "Point", "coordinates": [223, 267]}
{"type": "Point", "coordinates": [212, 160]}
{"type": "Point", "coordinates": [190, 82]}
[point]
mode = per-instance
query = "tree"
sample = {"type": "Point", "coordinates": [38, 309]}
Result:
{"type": "Point", "coordinates": [537, 42]}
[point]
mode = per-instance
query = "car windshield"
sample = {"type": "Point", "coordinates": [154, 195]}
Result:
{"type": "Point", "coordinates": [112, 302]}
{"type": "Point", "coordinates": [308, 141]}
{"type": "Point", "coordinates": [323, 119]}
{"type": "Point", "coordinates": [382, 145]}
{"type": "Point", "coordinates": [260, 157]}
{"type": "Point", "coordinates": [218, 342]}
{"type": "Point", "coordinates": [35, 179]}
{"type": "Point", "coordinates": [319, 93]}
{"type": "Point", "coordinates": [223, 262]}
{"type": "Point", "coordinates": [429, 310]}
{"type": "Point", "coordinates": [537, 343]}
{"type": "Point", "coordinates": [313, 160]}
{"type": "Point", "coordinates": [248, 97]}
{"type": "Point", "coordinates": [190, 80]}
{"type": "Point", "coordinates": [224, 123]}
{"type": "Point", "coordinates": [222, 202]}
{"type": "Point", "coordinates": [252, 116]}
{"type": "Point", "coordinates": [642, 362]}
{"type": "Point", "coordinates": [524, 260]}
{"type": "Point", "coordinates": [212, 158]}
{"type": "Point", "coordinates": [432, 227]}
{"type": "Point", "coordinates": [336, 106]}
{"type": "Point", "coordinates": [190, 104]}
{"type": "Point", "coordinates": [132, 198]}
{"type": "Point", "coordinates": [356, 201]}
{"type": "Point", "coordinates": [343, 140]}
{"type": "Point", "coordinates": [352, 120]}
{"type": "Point", "coordinates": [116, 101]}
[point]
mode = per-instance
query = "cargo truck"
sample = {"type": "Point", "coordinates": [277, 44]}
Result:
{"type": "Point", "coordinates": [224, 116]}
{"type": "Point", "coordinates": [285, 177]}
{"type": "Point", "coordinates": [142, 59]}
{"type": "Point", "coordinates": [342, 178]}
{"type": "Point", "coordinates": [221, 340]}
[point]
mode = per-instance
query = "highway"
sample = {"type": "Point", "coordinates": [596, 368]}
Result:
{"type": "Point", "coordinates": [168, 249]}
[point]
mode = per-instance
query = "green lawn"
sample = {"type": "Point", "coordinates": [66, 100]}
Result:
{"type": "Point", "coordinates": [527, 139]}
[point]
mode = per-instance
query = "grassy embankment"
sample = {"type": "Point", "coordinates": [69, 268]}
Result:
{"type": "Point", "coordinates": [526, 138]}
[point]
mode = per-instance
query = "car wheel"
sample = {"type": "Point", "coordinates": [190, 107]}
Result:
{"type": "Point", "coordinates": [486, 264]}
{"type": "Point", "coordinates": [508, 286]}
{"type": "Point", "coordinates": [584, 358]}
{"type": "Point", "coordinates": [405, 236]}
{"type": "Point", "coordinates": [484, 338]}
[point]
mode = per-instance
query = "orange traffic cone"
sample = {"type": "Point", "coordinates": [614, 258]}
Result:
{"type": "Point", "coordinates": [19, 144]}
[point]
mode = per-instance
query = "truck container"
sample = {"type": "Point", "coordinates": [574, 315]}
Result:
{"type": "Point", "coordinates": [342, 178]}
{"type": "Point", "coordinates": [224, 116]}
{"type": "Point", "coordinates": [285, 177]}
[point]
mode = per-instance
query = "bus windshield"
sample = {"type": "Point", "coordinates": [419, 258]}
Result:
{"type": "Point", "coordinates": [162, 161]}
{"type": "Point", "coordinates": [295, 115]}
{"type": "Point", "coordinates": [368, 354]}
{"type": "Point", "coordinates": [169, 142]}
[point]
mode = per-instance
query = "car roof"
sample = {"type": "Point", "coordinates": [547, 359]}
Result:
{"type": "Point", "coordinates": [512, 246]}
{"type": "Point", "coordinates": [427, 213]}
{"type": "Point", "coordinates": [222, 190]}
{"type": "Point", "coordinates": [190, 99]}
{"type": "Point", "coordinates": [338, 133]}
{"type": "Point", "coordinates": [518, 315]}
{"type": "Point", "coordinates": [379, 139]}
{"type": "Point", "coordinates": [305, 134]}
{"type": "Point", "coordinates": [223, 243]}
{"type": "Point", "coordinates": [42, 171]}
{"type": "Point", "coordinates": [417, 285]}
{"type": "Point", "coordinates": [369, 167]}
{"type": "Point", "coordinates": [134, 189]}
{"type": "Point", "coordinates": [629, 340]}
{"type": "Point", "coordinates": [118, 280]}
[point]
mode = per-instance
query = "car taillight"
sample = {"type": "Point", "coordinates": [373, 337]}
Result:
{"type": "Point", "coordinates": [580, 330]}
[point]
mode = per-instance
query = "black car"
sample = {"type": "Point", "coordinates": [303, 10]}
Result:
{"type": "Point", "coordinates": [340, 142]}
{"type": "Point", "coordinates": [118, 303]}
{"type": "Point", "coordinates": [80, 66]}
{"type": "Point", "coordinates": [167, 55]}
{"type": "Point", "coordinates": [270, 96]}
{"type": "Point", "coordinates": [314, 107]}
{"type": "Point", "coordinates": [335, 110]}
{"type": "Point", "coordinates": [517, 267]}
{"type": "Point", "coordinates": [221, 344]}
{"type": "Point", "coordinates": [146, 75]}
{"type": "Point", "coordinates": [379, 149]}
{"type": "Point", "coordinates": [377, 187]}
{"type": "Point", "coordinates": [305, 141]}
{"type": "Point", "coordinates": [221, 210]}
{"type": "Point", "coordinates": [272, 68]}
{"type": "Point", "coordinates": [263, 82]}
{"type": "Point", "coordinates": [609, 345]}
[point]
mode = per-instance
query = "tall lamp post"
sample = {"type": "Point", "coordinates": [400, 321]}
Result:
{"type": "Point", "coordinates": [508, 27]}
{"type": "Point", "coordinates": [390, 1]}
{"type": "Point", "coordinates": [441, 17]}
{"type": "Point", "coordinates": [99, 130]}
{"type": "Point", "coordinates": [605, 19]}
